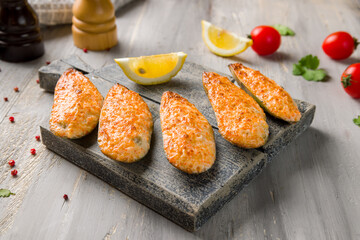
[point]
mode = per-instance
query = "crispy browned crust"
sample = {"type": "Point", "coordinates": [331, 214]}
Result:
{"type": "Point", "coordinates": [77, 105]}
{"type": "Point", "coordinates": [188, 138]}
{"type": "Point", "coordinates": [240, 119]}
{"type": "Point", "coordinates": [125, 125]}
{"type": "Point", "coordinates": [269, 94]}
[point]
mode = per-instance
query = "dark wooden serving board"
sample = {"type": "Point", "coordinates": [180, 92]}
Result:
{"type": "Point", "coordinates": [188, 200]}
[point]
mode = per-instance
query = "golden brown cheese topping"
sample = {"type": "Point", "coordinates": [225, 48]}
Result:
{"type": "Point", "coordinates": [267, 92]}
{"type": "Point", "coordinates": [188, 137]}
{"type": "Point", "coordinates": [77, 105]}
{"type": "Point", "coordinates": [125, 125]}
{"type": "Point", "coordinates": [240, 119]}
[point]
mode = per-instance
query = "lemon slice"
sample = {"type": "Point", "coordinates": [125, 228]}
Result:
{"type": "Point", "coordinates": [222, 42]}
{"type": "Point", "coordinates": [151, 70]}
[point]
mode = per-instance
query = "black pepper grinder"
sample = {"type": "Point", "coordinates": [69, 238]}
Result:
{"type": "Point", "coordinates": [20, 38]}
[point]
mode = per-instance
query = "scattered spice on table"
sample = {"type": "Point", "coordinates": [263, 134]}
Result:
{"type": "Point", "coordinates": [37, 138]}
{"type": "Point", "coordinates": [65, 197]}
{"type": "Point", "coordinates": [37, 81]}
{"type": "Point", "coordinates": [11, 162]}
{"type": "Point", "coordinates": [12, 119]}
{"type": "Point", "coordinates": [16, 89]}
{"type": "Point", "coordinates": [85, 50]}
{"type": "Point", "coordinates": [48, 62]}
{"type": "Point", "coordinates": [33, 151]}
{"type": "Point", "coordinates": [14, 172]}
{"type": "Point", "coordinates": [6, 99]}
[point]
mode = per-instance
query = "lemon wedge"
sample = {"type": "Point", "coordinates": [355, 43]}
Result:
{"type": "Point", "coordinates": [151, 70]}
{"type": "Point", "coordinates": [222, 42]}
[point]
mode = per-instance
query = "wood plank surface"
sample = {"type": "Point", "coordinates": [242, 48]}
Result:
{"type": "Point", "coordinates": [310, 191]}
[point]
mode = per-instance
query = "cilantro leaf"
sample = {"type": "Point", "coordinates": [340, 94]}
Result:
{"type": "Point", "coordinates": [5, 193]}
{"type": "Point", "coordinates": [307, 68]}
{"type": "Point", "coordinates": [298, 69]}
{"type": "Point", "coordinates": [314, 75]}
{"type": "Point", "coordinates": [357, 120]}
{"type": "Point", "coordinates": [310, 61]}
{"type": "Point", "coordinates": [284, 30]}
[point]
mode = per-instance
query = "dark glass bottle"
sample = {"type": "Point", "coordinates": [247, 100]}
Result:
{"type": "Point", "coordinates": [20, 38]}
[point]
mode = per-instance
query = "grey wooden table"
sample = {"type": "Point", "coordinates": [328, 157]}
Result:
{"type": "Point", "coordinates": [310, 190]}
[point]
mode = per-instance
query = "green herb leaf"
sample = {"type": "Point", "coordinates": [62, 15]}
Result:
{"type": "Point", "coordinates": [5, 193]}
{"type": "Point", "coordinates": [284, 30]}
{"type": "Point", "coordinates": [310, 61]}
{"type": "Point", "coordinates": [314, 75]}
{"type": "Point", "coordinates": [357, 120]}
{"type": "Point", "coordinates": [307, 67]}
{"type": "Point", "coordinates": [298, 69]}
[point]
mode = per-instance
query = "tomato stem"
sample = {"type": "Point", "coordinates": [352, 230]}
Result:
{"type": "Point", "coordinates": [346, 80]}
{"type": "Point", "coordinates": [356, 43]}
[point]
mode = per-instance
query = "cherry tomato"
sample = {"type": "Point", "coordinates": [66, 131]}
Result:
{"type": "Point", "coordinates": [350, 80]}
{"type": "Point", "coordinates": [266, 40]}
{"type": "Point", "coordinates": [339, 45]}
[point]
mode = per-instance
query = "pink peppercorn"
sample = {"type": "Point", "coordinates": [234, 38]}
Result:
{"type": "Point", "coordinates": [14, 172]}
{"type": "Point", "coordinates": [33, 151]}
{"type": "Point", "coordinates": [11, 163]}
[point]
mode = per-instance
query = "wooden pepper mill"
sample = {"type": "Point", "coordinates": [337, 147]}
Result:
{"type": "Point", "coordinates": [20, 38]}
{"type": "Point", "coordinates": [94, 25]}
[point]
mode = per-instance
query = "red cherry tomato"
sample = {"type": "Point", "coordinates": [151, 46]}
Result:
{"type": "Point", "coordinates": [350, 80]}
{"type": "Point", "coordinates": [339, 45]}
{"type": "Point", "coordinates": [266, 40]}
